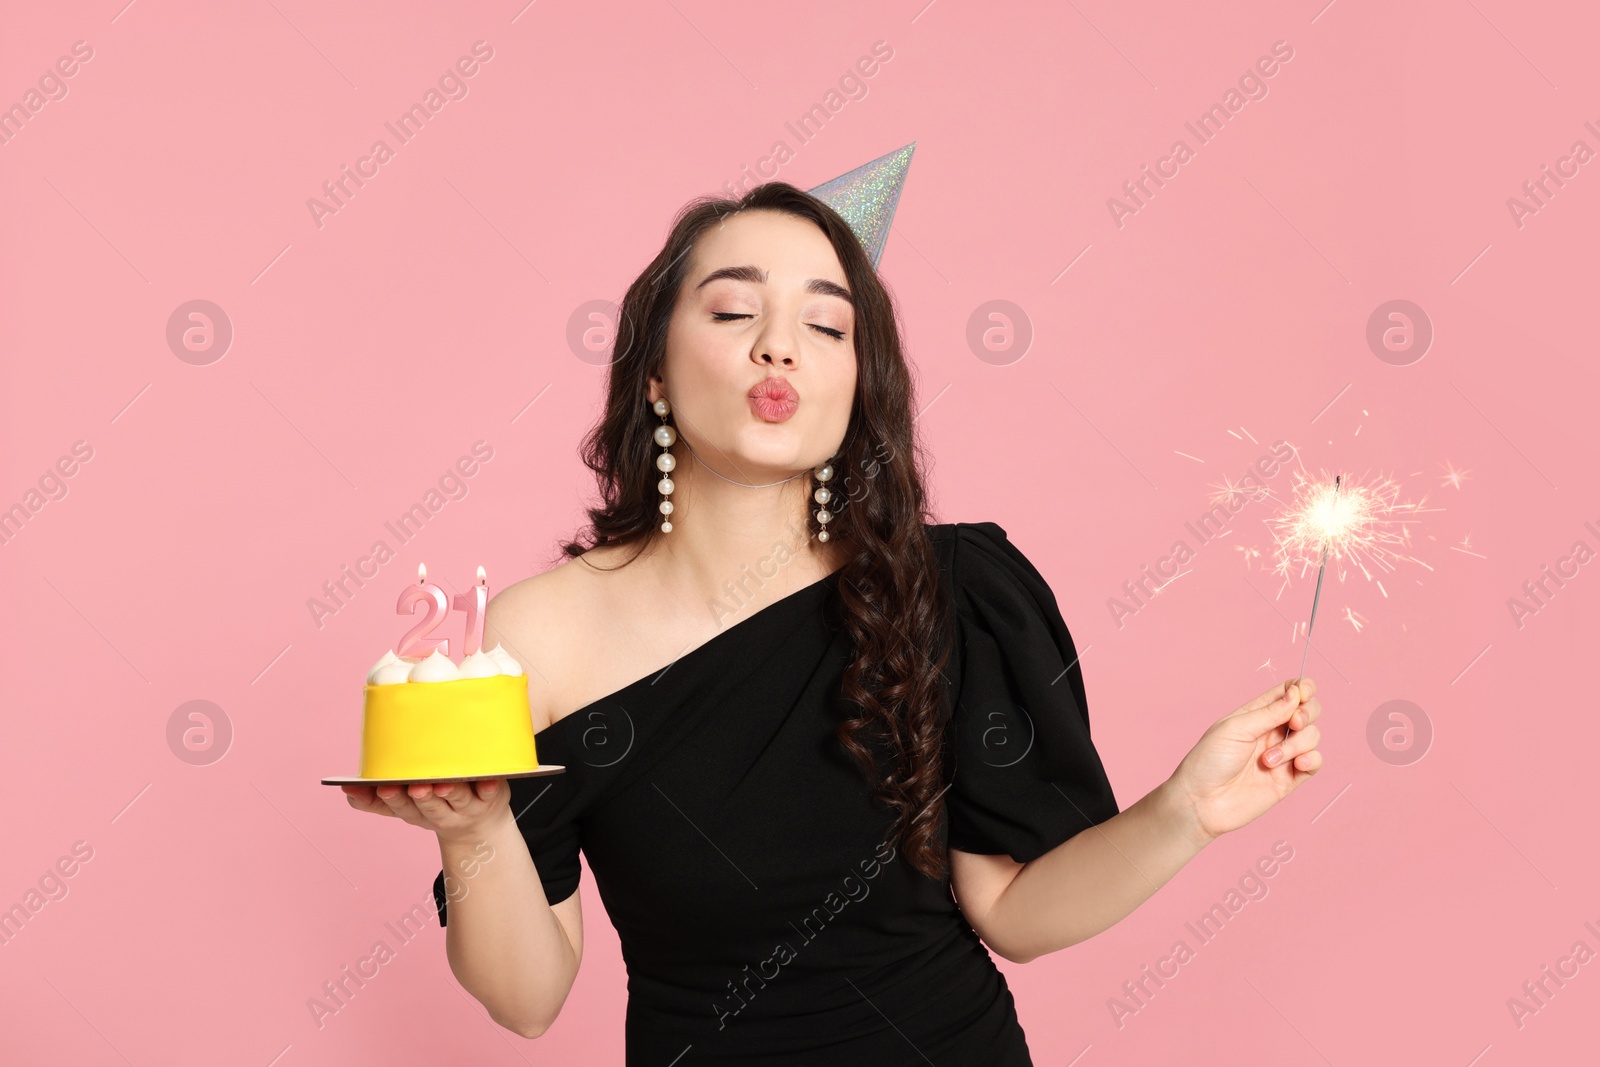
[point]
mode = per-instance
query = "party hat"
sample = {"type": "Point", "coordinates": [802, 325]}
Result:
{"type": "Point", "coordinates": [867, 196]}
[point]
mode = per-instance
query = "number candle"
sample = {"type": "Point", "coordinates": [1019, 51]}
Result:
{"type": "Point", "coordinates": [474, 602]}
{"type": "Point", "coordinates": [414, 643]}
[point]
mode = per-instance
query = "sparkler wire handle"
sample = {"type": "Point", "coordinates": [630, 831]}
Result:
{"type": "Point", "coordinates": [1316, 596]}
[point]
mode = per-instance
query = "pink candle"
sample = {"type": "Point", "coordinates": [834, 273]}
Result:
{"type": "Point", "coordinates": [474, 602]}
{"type": "Point", "coordinates": [415, 642]}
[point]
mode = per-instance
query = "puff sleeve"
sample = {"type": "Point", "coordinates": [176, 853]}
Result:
{"type": "Point", "coordinates": [547, 820]}
{"type": "Point", "coordinates": [1025, 775]}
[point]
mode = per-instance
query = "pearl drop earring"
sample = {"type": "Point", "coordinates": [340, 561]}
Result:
{"type": "Point", "coordinates": [664, 436]}
{"type": "Point", "coordinates": [822, 495]}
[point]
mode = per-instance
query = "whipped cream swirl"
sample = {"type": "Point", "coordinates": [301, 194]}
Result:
{"type": "Point", "coordinates": [437, 667]}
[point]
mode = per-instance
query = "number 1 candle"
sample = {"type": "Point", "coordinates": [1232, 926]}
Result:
{"type": "Point", "coordinates": [474, 602]}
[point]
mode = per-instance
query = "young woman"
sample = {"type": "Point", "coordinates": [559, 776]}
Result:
{"type": "Point", "coordinates": [797, 716]}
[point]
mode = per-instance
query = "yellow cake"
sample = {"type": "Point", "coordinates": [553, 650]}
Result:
{"type": "Point", "coordinates": [429, 718]}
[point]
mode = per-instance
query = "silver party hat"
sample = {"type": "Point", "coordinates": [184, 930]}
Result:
{"type": "Point", "coordinates": [867, 196]}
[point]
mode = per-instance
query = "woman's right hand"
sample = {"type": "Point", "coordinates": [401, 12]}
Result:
{"type": "Point", "coordinates": [453, 810]}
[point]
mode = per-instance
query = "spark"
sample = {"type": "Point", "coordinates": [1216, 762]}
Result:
{"type": "Point", "coordinates": [1266, 664]}
{"type": "Point", "coordinates": [1160, 588]}
{"type": "Point", "coordinates": [1250, 553]}
{"type": "Point", "coordinates": [1453, 477]}
{"type": "Point", "coordinates": [1229, 491]}
{"type": "Point", "coordinates": [1466, 546]}
{"type": "Point", "coordinates": [1353, 522]}
{"type": "Point", "coordinates": [1363, 525]}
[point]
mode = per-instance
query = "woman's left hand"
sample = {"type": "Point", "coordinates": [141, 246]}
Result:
{"type": "Point", "coordinates": [1242, 765]}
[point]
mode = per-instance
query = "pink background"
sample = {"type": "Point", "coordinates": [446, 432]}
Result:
{"type": "Point", "coordinates": [435, 307]}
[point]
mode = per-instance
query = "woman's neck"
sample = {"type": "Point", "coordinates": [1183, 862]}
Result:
{"type": "Point", "coordinates": [744, 531]}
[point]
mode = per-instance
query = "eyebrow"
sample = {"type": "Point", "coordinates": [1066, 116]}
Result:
{"type": "Point", "coordinates": [757, 276]}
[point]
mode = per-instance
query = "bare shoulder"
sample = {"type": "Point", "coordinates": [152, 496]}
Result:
{"type": "Point", "coordinates": [545, 619]}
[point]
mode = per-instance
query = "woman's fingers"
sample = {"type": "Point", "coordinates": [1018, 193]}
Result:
{"type": "Point", "coordinates": [454, 798]}
{"type": "Point", "coordinates": [1308, 714]}
{"type": "Point", "coordinates": [1302, 741]}
{"type": "Point", "coordinates": [364, 798]}
{"type": "Point", "coordinates": [467, 797]}
{"type": "Point", "coordinates": [432, 793]}
{"type": "Point", "coordinates": [447, 804]}
{"type": "Point", "coordinates": [360, 795]}
{"type": "Point", "coordinates": [1267, 699]}
{"type": "Point", "coordinates": [429, 799]}
{"type": "Point", "coordinates": [433, 806]}
{"type": "Point", "coordinates": [489, 791]}
{"type": "Point", "coordinates": [398, 800]}
{"type": "Point", "coordinates": [1308, 762]}
{"type": "Point", "coordinates": [1299, 743]}
{"type": "Point", "coordinates": [1257, 718]}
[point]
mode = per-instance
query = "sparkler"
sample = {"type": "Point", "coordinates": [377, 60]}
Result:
{"type": "Point", "coordinates": [1356, 523]}
{"type": "Point", "coordinates": [1362, 524]}
{"type": "Point", "coordinates": [1332, 523]}
{"type": "Point", "coordinates": [1320, 515]}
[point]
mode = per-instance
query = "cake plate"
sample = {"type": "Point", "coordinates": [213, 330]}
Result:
{"type": "Point", "coordinates": [537, 772]}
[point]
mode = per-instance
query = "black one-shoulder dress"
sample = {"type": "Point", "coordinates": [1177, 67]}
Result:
{"type": "Point", "coordinates": [737, 848]}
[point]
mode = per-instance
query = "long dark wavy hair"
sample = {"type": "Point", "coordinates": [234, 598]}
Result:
{"type": "Point", "coordinates": [895, 608]}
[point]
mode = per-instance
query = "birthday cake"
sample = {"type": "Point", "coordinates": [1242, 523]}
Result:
{"type": "Point", "coordinates": [428, 718]}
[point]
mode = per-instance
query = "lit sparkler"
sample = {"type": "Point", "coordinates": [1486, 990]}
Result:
{"type": "Point", "coordinates": [1353, 523]}
{"type": "Point", "coordinates": [1323, 515]}
{"type": "Point", "coordinates": [1356, 522]}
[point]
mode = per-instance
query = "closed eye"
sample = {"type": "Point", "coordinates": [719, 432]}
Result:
{"type": "Point", "coordinates": [729, 316]}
